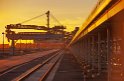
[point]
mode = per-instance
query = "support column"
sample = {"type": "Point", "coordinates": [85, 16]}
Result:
{"type": "Point", "coordinates": [108, 53]}
{"type": "Point", "coordinates": [12, 47]}
{"type": "Point", "coordinates": [99, 54]}
{"type": "Point", "coordinates": [92, 52]}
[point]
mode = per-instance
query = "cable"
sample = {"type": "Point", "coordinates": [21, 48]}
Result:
{"type": "Point", "coordinates": [32, 19]}
{"type": "Point", "coordinates": [55, 19]}
{"type": "Point", "coordinates": [40, 16]}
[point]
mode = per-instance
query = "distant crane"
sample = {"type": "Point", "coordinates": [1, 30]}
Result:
{"type": "Point", "coordinates": [50, 33]}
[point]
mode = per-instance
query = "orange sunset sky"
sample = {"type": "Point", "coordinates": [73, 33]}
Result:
{"type": "Point", "coordinates": [70, 13]}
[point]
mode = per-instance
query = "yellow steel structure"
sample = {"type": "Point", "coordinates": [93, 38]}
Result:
{"type": "Point", "coordinates": [86, 28]}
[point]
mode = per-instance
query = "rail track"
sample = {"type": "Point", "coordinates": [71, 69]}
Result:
{"type": "Point", "coordinates": [40, 71]}
{"type": "Point", "coordinates": [12, 73]}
